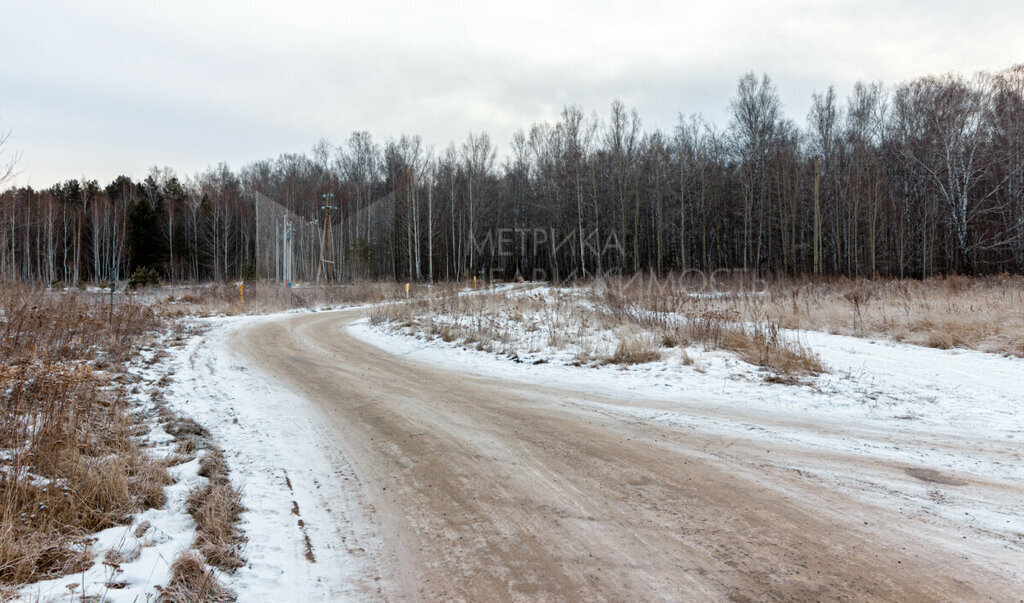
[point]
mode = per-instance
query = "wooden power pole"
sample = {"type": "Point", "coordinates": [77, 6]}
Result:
{"type": "Point", "coordinates": [327, 239]}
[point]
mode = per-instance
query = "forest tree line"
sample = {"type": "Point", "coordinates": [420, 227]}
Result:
{"type": "Point", "coordinates": [922, 178]}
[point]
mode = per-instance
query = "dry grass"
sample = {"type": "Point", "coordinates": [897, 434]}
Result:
{"type": "Point", "coordinates": [263, 297]}
{"type": "Point", "coordinates": [634, 349]}
{"type": "Point", "coordinates": [763, 346]}
{"type": "Point", "coordinates": [641, 322]}
{"type": "Point", "coordinates": [70, 462]}
{"type": "Point", "coordinates": [483, 328]}
{"type": "Point", "coordinates": [216, 506]}
{"type": "Point", "coordinates": [192, 581]}
{"type": "Point", "coordinates": [985, 314]}
{"type": "Point", "coordinates": [686, 320]}
{"type": "Point", "coordinates": [213, 466]}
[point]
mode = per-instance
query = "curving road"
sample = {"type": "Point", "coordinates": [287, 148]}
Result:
{"type": "Point", "coordinates": [488, 490]}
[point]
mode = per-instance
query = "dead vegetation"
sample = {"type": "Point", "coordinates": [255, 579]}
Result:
{"type": "Point", "coordinates": [191, 580]}
{"type": "Point", "coordinates": [604, 322]}
{"type": "Point", "coordinates": [71, 464]}
{"type": "Point", "coordinates": [70, 442]}
{"type": "Point", "coordinates": [263, 297]}
{"type": "Point", "coordinates": [686, 321]}
{"type": "Point", "coordinates": [216, 506]}
{"type": "Point", "coordinates": [979, 313]}
{"type": "Point", "coordinates": [633, 349]}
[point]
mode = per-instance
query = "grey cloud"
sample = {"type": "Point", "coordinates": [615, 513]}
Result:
{"type": "Point", "coordinates": [112, 88]}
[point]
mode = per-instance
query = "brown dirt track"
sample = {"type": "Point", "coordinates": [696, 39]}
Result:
{"type": "Point", "coordinates": [488, 490]}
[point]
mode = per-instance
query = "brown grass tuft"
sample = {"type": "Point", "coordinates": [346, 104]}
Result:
{"type": "Point", "coordinates": [634, 349]}
{"type": "Point", "coordinates": [192, 581]}
{"type": "Point", "coordinates": [216, 508]}
{"type": "Point", "coordinates": [213, 466]}
{"type": "Point", "coordinates": [763, 346]}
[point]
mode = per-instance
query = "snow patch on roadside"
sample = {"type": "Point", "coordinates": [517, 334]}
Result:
{"type": "Point", "coordinates": [309, 538]}
{"type": "Point", "coordinates": [133, 559]}
{"type": "Point", "coordinates": [958, 391]}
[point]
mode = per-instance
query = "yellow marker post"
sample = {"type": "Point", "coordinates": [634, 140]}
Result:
{"type": "Point", "coordinates": [407, 291]}
{"type": "Point", "coordinates": [241, 293]}
{"type": "Point", "coordinates": [474, 281]}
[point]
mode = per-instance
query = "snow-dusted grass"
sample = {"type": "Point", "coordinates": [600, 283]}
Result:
{"type": "Point", "coordinates": [72, 462]}
{"type": "Point", "coordinates": [132, 560]}
{"type": "Point", "coordinates": [301, 533]}
{"type": "Point", "coordinates": [984, 314]}
{"type": "Point", "coordinates": [595, 326]}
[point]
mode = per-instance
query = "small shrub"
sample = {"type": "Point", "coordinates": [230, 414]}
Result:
{"type": "Point", "coordinates": [144, 277]}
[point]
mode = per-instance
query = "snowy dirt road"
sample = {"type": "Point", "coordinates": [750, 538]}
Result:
{"type": "Point", "coordinates": [489, 489]}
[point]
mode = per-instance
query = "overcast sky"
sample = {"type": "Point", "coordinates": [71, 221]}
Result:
{"type": "Point", "coordinates": [99, 89]}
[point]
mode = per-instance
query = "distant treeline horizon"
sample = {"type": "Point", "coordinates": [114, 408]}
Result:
{"type": "Point", "coordinates": [925, 177]}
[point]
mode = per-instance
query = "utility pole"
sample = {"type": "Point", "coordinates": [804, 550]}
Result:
{"type": "Point", "coordinates": [283, 251]}
{"type": "Point", "coordinates": [288, 252]}
{"type": "Point", "coordinates": [327, 238]}
{"type": "Point", "coordinates": [817, 219]}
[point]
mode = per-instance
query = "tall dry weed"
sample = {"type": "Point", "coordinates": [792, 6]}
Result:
{"type": "Point", "coordinates": [983, 313]}
{"type": "Point", "coordinates": [70, 464]}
